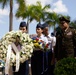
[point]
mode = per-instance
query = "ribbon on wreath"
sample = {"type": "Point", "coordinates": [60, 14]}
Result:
{"type": "Point", "coordinates": [7, 64]}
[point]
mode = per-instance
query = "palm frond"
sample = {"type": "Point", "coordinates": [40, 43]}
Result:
{"type": "Point", "coordinates": [4, 3]}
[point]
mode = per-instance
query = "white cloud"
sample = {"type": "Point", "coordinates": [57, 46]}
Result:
{"type": "Point", "coordinates": [19, 19]}
{"type": "Point", "coordinates": [49, 10]}
{"type": "Point", "coordinates": [43, 2]}
{"type": "Point", "coordinates": [59, 7]}
{"type": "Point", "coordinates": [4, 12]}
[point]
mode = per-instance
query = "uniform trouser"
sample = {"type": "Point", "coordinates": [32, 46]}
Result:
{"type": "Point", "coordinates": [23, 70]}
{"type": "Point", "coordinates": [37, 63]}
{"type": "Point", "coordinates": [74, 52]}
{"type": "Point", "coordinates": [48, 67]}
{"type": "Point", "coordinates": [45, 63]}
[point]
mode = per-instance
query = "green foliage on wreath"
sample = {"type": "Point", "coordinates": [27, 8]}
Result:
{"type": "Point", "coordinates": [66, 66]}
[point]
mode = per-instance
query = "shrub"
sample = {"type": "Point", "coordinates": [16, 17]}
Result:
{"type": "Point", "coordinates": [66, 66]}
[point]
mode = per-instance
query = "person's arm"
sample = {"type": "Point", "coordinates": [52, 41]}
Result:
{"type": "Point", "coordinates": [56, 50]}
{"type": "Point", "coordinates": [53, 43]}
{"type": "Point", "coordinates": [46, 40]}
{"type": "Point", "coordinates": [53, 54]}
{"type": "Point", "coordinates": [74, 42]}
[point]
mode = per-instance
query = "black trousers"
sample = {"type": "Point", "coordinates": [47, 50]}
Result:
{"type": "Point", "coordinates": [47, 63]}
{"type": "Point", "coordinates": [50, 67]}
{"type": "Point", "coordinates": [23, 70]}
{"type": "Point", "coordinates": [37, 63]}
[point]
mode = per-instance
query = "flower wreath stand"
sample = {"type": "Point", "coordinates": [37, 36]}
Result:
{"type": "Point", "coordinates": [15, 48]}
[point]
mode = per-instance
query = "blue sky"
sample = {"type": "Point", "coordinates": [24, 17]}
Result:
{"type": "Point", "coordinates": [66, 7]}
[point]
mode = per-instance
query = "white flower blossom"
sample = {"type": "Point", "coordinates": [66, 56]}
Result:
{"type": "Point", "coordinates": [25, 42]}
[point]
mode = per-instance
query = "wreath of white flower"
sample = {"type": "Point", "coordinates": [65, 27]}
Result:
{"type": "Point", "coordinates": [25, 42]}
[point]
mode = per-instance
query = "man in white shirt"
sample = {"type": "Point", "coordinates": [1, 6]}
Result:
{"type": "Point", "coordinates": [50, 54]}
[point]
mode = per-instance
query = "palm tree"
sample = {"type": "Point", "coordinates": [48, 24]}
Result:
{"type": "Point", "coordinates": [10, 2]}
{"type": "Point", "coordinates": [73, 24]}
{"type": "Point", "coordinates": [52, 19]}
{"type": "Point", "coordinates": [33, 12]}
{"type": "Point", "coordinates": [24, 13]}
{"type": "Point", "coordinates": [39, 12]}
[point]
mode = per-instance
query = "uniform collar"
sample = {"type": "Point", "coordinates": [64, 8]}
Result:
{"type": "Point", "coordinates": [66, 29]}
{"type": "Point", "coordinates": [48, 35]}
{"type": "Point", "coordinates": [41, 36]}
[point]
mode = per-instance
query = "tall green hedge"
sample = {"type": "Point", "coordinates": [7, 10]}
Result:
{"type": "Point", "coordinates": [66, 66]}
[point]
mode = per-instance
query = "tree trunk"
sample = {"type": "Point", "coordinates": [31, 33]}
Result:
{"type": "Point", "coordinates": [27, 27]}
{"type": "Point", "coordinates": [28, 21]}
{"type": "Point", "coordinates": [11, 16]}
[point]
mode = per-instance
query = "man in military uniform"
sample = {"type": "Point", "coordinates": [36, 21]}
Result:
{"type": "Point", "coordinates": [24, 67]}
{"type": "Point", "coordinates": [65, 40]}
{"type": "Point", "coordinates": [49, 55]}
{"type": "Point", "coordinates": [37, 59]}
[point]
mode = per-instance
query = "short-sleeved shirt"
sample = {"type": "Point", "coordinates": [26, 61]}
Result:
{"type": "Point", "coordinates": [51, 41]}
{"type": "Point", "coordinates": [42, 37]}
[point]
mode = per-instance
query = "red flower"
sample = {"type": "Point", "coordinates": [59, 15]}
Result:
{"type": "Point", "coordinates": [47, 45]}
{"type": "Point", "coordinates": [42, 41]}
{"type": "Point", "coordinates": [37, 39]}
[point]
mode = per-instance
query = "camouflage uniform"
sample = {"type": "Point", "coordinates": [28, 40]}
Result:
{"type": "Point", "coordinates": [65, 44]}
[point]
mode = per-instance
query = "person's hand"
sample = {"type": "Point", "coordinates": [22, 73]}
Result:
{"type": "Point", "coordinates": [53, 61]}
